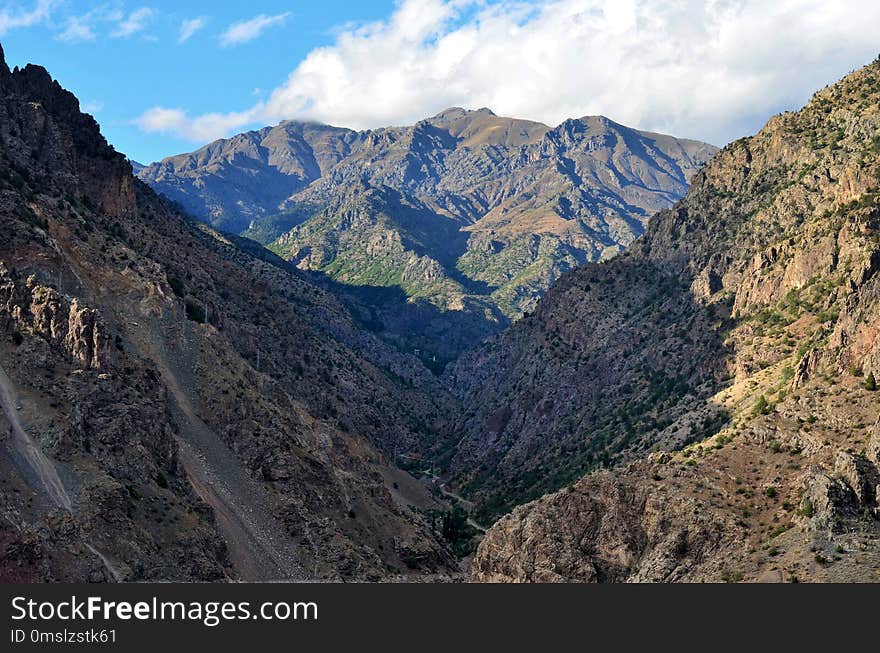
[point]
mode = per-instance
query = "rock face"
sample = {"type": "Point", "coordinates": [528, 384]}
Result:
{"type": "Point", "coordinates": [177, 404]}
{"type": "Point", "coordinates": [741, 332]}
{"type": "Point", "coordinates": [467, 213]}
{"type": "Point", "coordinates": [612, 529]}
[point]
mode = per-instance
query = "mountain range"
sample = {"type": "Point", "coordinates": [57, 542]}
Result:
{"type": "Point", "coordinates": [180, 402]}
{"type": "Point", "coordinates": [446, 230]}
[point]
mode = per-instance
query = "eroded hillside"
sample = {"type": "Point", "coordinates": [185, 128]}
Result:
{"type": "Point", "coordinates": [743, 331]}
{"type": "Point", "coordinates": [173, 406]}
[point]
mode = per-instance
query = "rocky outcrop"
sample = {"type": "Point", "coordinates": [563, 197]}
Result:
{"type": "Point", "coordinates": [606, 528]}
{"type": "Point", "coordinates": [40, 310]}
{"type": "Point", "coordinates": [873, 449]}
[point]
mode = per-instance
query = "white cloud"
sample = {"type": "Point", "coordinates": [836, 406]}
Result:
{"type": "Point", "coordinates": [92, 107]}
{"type": "Point", "coordinates": [13, 17]}
{"type": "Point", "coordinates": [247, 30]}
{"type": "Point", "coordinates": [135, 22]}
{"type": "Point", "coordinates": [78, 29]}
{"type": "Point", "coordinates": [203, 128]}
{"type": "Point", "coordinates": [709, 69]}
{"type": "Point", "coordinates": [189, 27]}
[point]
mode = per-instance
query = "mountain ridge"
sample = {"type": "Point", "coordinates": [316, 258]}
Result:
{"type": "Point", "coordinates": [468, 212]}
{"type": "Point", "coordinates": [738, 440]}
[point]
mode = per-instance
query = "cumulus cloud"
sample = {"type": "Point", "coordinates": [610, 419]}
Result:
{"type": "Point", "coordinates": [200, 129]}
{"type": "Point", "coordinates": [13, 17]}
{"type": "Point", "coordinates": [708, 69]}
{"type": "Point", "coordinates": [77, 29]}
{"type": "Point", "coordinates": [248, 30]}
{"type": "Point", "coordinates": [189, 27]}
{"type": "Point", "coordinates": [133, 23]}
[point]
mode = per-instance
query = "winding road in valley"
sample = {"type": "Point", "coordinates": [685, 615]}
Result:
{"type": "Point", "coordinates": [468, 506]}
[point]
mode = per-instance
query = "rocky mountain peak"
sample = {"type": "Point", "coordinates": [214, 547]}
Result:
{"type": "Point", "coordinates": [4, 68]}
{"type": "Point", "coordinates": [453, 114]}
{"type": "Point", "coordinates": [598, 122]}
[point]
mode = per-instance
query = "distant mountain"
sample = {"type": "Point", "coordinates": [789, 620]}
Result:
{"type": "Point", "coordinates": [706, 404]}
{"type": "Point", "coordinates": [466, 211]}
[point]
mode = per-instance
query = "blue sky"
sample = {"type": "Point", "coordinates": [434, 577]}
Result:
{"type": "Point", "coordinates": [118, 77]}
{"type": "Point", "coordinates": [166, 77]}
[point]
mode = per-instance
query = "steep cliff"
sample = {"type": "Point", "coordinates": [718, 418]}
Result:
{"type": "Point", "coordinates": [741, 332]}
{"type": "Point", "coordinates": [175, 406]}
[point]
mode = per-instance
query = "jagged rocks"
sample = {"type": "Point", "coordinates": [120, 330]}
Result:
{"type": "Point", "coordinates": [85, 339]}
{"type": "Point", "coordinates": [873, 448]}
{"type": "Point", "coordinates": [707, 283]}
{"type": "Point", "coordinates": [806, 366]}
{"type": "Point", "coordinates": [41, 310]}
{"type": "Point", "coordinates": [826, 500]}
{"type": "Point", "coordinates": [859, 474]}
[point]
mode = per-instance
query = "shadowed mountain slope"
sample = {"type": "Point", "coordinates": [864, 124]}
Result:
{"type": "Point", "coordinates": [175, 407]}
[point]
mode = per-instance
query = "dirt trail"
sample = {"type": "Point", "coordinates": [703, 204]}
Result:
{"type": "Point", "coordinates": [41, 466]}
{"type": "Point", "coordinates": [467, 505]}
